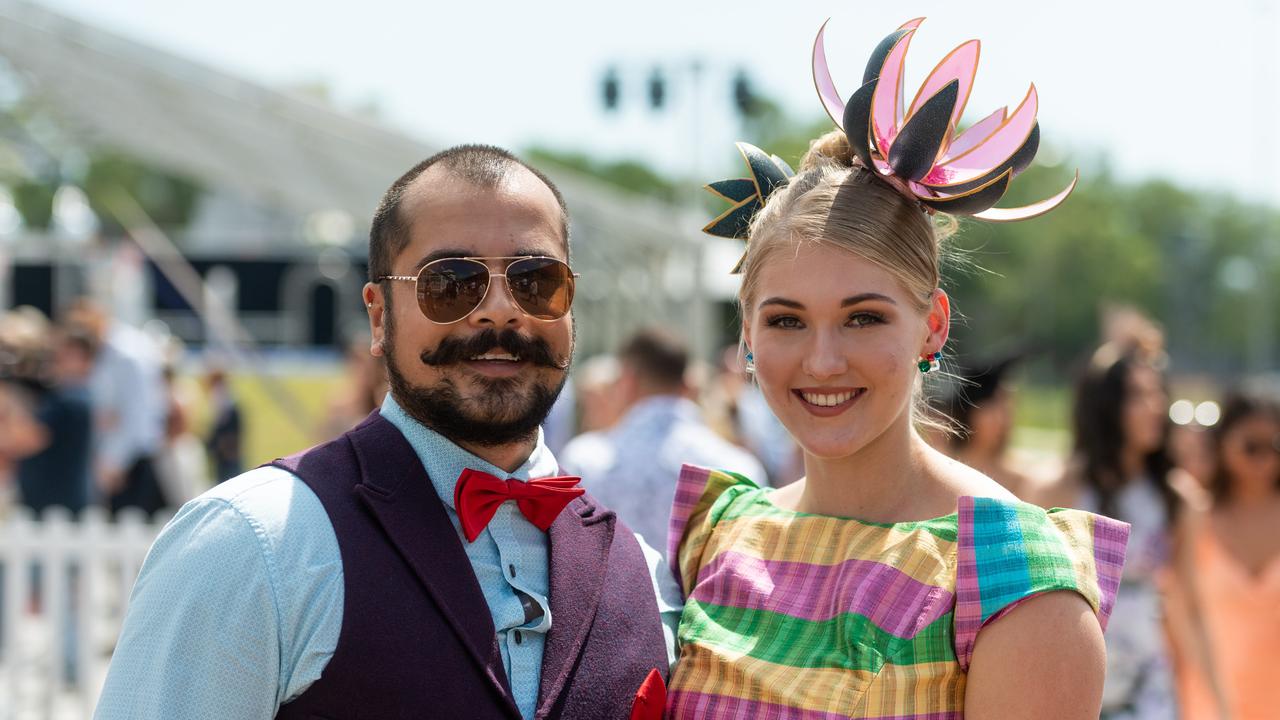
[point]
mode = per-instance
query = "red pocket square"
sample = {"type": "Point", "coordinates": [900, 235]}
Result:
{"type": "Point", "coordinates": [651, 698]}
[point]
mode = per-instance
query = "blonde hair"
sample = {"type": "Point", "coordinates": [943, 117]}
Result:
{"type": "Point", "coordinates": [834, 200]}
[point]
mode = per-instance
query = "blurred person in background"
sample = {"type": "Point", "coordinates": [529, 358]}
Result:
{"type": "Point", "coordinates": [60, 475]}
{"type": "Point", "coordinates": [225, 441]}
{"type": "Point", "coordinates": [1225, 597]}
{"type": "Point", "coordinates": [1120, 467]}
{"type": "Point", "coordinates": [739, 413]}
{"type": "Point", "coordinates": [182, 464]}
{"type": "Point", "coordinates": [21, 435]}
{"type": "Point", "coordinates": [129, 402]}
{"type": "Point", "coordinates": [633, 466]}
{"type": "Point", "coordinates": [1191, 449]}
{"type": "Point", "coordinates": [598, 408]}
{"type": "Point", "coordinates": [980, 407]}
{"type": "Point", "coordinates": [366, 386]}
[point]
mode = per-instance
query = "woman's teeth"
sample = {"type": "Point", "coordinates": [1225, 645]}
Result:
{"type": "Point", "coordinates": [827, 400]}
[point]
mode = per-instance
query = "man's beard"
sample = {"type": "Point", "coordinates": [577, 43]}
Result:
{"type": "Point", "coordinates": [501, 414]}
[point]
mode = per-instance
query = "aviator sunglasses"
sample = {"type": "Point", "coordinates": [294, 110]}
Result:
{"type": "Point", "coordinates": [450, 289]}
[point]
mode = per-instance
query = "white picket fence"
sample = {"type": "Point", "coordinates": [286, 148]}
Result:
{"type": "Point", "coordinates": [63, 594]}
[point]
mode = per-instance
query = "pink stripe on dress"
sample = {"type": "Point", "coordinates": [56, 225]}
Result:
{"type": "Point", "coordinates": [689, 488]}
{"type": "Point", "coordinates": [896, 602]}
{"type": "Point", "coordinates": [1109, 540]}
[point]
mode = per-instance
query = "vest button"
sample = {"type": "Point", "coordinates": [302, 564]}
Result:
{"type": "Point", "coordinates": [519, 637]}
{"type": "Point", "coordinates": [512, 569]}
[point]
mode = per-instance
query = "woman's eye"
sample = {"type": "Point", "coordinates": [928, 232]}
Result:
{"type": "Point", "coordinates": [785, 321]}
{"type": "Point", "coordinates": [864, 319]}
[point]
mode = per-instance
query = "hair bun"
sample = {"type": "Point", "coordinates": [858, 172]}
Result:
{"type": "Point", "coordinates": [830, 149]}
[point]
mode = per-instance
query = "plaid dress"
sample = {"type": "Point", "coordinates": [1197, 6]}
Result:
{"type": "Point", "coordinates": [800, 616]}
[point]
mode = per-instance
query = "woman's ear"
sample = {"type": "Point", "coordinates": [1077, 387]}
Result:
{"type": "Point", "coordinates": [938, 321]}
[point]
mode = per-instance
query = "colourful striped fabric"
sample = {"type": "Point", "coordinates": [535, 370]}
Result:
{"type": "Point", "coordinates": [792, 615]}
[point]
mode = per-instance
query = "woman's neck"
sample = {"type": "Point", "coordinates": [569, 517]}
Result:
{"type": "Point", "coordinates": [882, 482]}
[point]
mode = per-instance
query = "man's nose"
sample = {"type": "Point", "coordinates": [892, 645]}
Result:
{"type": "Point", "coordinates": [498, 309]}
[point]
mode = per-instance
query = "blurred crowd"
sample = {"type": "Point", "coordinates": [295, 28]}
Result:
{"type": "Point", "coordinates": [92, 414]}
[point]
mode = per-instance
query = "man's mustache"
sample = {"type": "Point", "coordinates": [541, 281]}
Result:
{"type": "Point", "coordinates": [452, 350]}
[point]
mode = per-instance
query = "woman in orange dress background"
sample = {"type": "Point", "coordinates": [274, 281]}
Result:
{"type": "Point", "coordinates": [1225, 601]}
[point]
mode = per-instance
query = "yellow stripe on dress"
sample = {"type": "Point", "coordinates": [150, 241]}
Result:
{"type": "Point", "coordinates": [742, 676]}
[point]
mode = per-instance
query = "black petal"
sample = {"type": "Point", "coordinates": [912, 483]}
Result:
{"type": "Point", "coordinates": [876, 62]}
{"type": "Point", "coordinates": [857, 122]}
{"type": "Point", "coordinates": [916, 147]}
{"type": "Point", "coordinates": [735, 221]}
{"type": "Point", "coordinates": [733, 190]}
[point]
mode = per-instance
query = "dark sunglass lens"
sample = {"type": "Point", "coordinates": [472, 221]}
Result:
{"type": "Point", "coordinates": [448, 290]}
{"type": "Point", "coordinates": [541, 286]}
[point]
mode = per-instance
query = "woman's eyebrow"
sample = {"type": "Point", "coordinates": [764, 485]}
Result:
{"type": "Point", "coordinates": [863, 297]}
{"type": "Point", "coordinates": [783, 302]}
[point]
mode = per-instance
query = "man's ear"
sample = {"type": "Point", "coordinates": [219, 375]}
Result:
{"type": "Point", "coordinates": [374, 305]}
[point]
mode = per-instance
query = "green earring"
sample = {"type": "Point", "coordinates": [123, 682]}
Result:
{"type": "Point", "coordinates": [929, 363]}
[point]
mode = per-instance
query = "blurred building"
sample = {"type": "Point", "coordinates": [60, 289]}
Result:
{"type": "Point", "coordinates": [265, 194]}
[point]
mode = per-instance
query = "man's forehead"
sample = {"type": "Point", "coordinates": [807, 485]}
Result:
{"type": "Point", "coordinates": [443, 184]}
{"type": "Point", "coordinates": [444, 210]}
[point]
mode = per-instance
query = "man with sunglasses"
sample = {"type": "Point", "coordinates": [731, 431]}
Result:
{"type": "Point", "coordinates": [433, 561]}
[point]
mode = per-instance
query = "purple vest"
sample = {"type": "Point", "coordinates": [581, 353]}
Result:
{"type": "Point", "coordinates": [417, 638]}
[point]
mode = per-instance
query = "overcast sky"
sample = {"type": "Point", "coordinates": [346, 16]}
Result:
{"type": "Point", "coordinates": [1184, 90]}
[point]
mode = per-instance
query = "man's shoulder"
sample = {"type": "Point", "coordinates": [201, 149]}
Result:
{"type": "Point", "coordinates": [272, 500]}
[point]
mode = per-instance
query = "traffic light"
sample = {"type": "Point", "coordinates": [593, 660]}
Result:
{"type": "Point", "coordinates": [743, 96]}
{"type": "Point", "coordinates": [657, 89]}
{"type": "Point", "coordinates": [609, 89]}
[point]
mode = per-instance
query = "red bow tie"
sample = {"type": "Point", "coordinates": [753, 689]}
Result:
{"type": "Point", "coordinates": [478, 495]}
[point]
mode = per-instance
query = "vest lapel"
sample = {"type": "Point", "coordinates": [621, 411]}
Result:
{"type": "Point", "coordinates": [580, 539]}
{"type": "Point", "coordinates": [398, 493]}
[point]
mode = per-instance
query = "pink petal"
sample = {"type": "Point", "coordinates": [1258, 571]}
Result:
{"type": "Point", "coordinates": [1026, 212]}
{"type": "Point", "coordinates": [921, 190]}
{"type": "Point", "coordinates": [975, 134]}
{"type": "Point", "coordinates": [908, 25]}
{"type": "Point", "coordinates": [886, 103]}
{"type": "Point", "coordinates": [959, 64]}
{"type": "Point", "coordinates": [826, 87]}
{"type": "Point", "coordinates": [993, 150]}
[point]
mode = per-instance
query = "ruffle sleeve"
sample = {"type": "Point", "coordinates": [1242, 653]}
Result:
{"type": "Point", "coordinates": [1010, 551]}
{"type": "Point", "coordinates": [702, 494]}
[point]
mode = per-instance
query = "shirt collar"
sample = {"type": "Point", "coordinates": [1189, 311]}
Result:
{"type": "Point", "coordinates": [444, 461]}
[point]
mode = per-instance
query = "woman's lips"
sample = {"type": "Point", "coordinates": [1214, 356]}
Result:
{"type": "Point", "coordinates": [828, 402]}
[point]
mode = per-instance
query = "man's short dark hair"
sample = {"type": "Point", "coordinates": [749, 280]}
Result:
{"type": "Point", "coordinates": [658, 357]}
{"type": "Point", "coordinates": [481, 165]}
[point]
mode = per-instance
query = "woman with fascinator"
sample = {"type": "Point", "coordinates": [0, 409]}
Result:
{"type": "Point", "coordinates": [889, 581]}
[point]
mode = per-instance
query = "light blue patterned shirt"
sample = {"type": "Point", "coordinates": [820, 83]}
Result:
{"type": "Point", "coordinates": [238, 606]}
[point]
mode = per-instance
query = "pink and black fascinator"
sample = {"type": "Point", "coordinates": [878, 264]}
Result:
{"type": "Point", "coordinates": [917, 147]}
